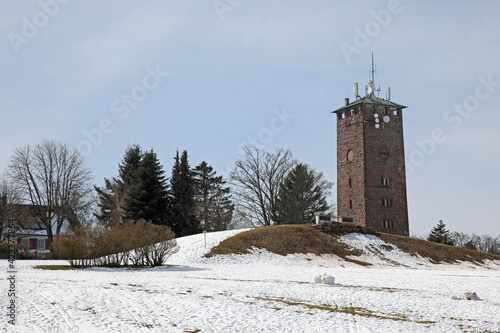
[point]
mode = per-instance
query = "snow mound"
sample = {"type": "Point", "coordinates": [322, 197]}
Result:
{"type": "Point", "coordinates": [324, 279]}
{"type": "Point", "coordinates": [469, 296]}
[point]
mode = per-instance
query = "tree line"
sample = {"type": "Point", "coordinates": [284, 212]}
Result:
{"type": "Point", "coordinates": [274, 188]}
{"type": "Point", "coordinates": [263, 188]}
{"type": "Point", "coordinates": [189, 201]}
{"type": "Point", "coordinates": [483, 243]}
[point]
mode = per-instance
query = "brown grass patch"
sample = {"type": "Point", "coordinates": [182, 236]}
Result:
{"type": "Point", "coordinates": [286, 239]}
{"type": "Point", "coordinates": [352, 310]}
{"type": "Point", "coordinates": [290, 239]}
{"type": "Point", "coordinates": [438, 253]}
{"type": "Point", "coordinates": [55, 267]}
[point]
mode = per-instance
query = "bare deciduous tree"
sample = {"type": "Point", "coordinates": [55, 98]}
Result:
{"type": "Point", "coordinates": [484, 243]}
{"type": "Point", "coordinates": [52, 178]}
{"type": "Point", "coordinates": [10, 208]}
{"type": "Point", "coordinates": [256, 180]}
{"type": "Point", "coordinates": [460, 239]}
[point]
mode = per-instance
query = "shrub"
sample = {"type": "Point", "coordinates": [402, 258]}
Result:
{"type": "Point", "coordinates": [140, 243]}
{"type": "Point", "coordinates": [75, 246]}
{"type": "Point", "coordinates": [153, 243]}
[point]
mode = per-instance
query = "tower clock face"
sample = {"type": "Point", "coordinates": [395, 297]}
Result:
{"type": "Point", "coordinates": [350, 155]}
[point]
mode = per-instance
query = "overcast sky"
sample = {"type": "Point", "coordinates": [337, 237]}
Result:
{"type": "Point", "coordinates": [211, 76]}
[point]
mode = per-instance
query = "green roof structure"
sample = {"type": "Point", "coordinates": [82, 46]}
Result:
{"type": "Point", "coordinates": [372, 100]}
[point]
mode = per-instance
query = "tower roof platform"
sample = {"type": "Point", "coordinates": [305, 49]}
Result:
{"type": "Point", "coordinates": [373, 100]}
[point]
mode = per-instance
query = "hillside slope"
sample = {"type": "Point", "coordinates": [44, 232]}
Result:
{"type": "Point", "coordinates": [364, 249]}
{"type": "Point", "coordinates": [262, 291]}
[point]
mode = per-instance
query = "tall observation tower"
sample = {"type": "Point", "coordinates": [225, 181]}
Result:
{"type": "Point", "coordinates": [371, 179]}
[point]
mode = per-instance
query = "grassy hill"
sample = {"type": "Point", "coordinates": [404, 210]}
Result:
{"type": "Point", "coordinates": [438, 253]}
{"type": "Point", "coordinates": [290, 239]}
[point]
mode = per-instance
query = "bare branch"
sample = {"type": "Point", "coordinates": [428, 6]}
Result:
{"type": "Point", "coordinates": [256, 180]}
{"type": "Point", "coordinates": [52, 178]}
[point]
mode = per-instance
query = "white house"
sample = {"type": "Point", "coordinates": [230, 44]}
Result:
{"type": "Point", "coordinates": [33, 234]}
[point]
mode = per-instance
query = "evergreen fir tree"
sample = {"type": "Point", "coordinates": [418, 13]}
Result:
{"type": "Point", "coordinates": [440, 234]}
{"type": "Point", "coordinates": [130, 164]}
{"type": "Point", "coordinates": [148, 197]}
{"type": "Point", "coordinates": [183, 219]}
{"type": "Point", "coordinates": [223, 209]}
{"type": "Point", "coordinates": [302, 195]}
{"type": "Point", "coordinates": [112, 196]}
{"type": "Point", "coordinates": [214, 208]}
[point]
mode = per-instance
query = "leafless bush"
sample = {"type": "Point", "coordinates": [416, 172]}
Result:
{"type": "Point", "coordinates": [154, 244]}
{"type": "Point", "coordinates": [75, 245]}
{"type": "Point", "coordinates": [141, 244]}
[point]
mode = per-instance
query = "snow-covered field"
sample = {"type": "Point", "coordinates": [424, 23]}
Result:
{"type": "Point", "coordinates": [259, 292]}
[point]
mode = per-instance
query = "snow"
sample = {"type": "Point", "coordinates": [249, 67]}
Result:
{"type": "Point", "coordinates": [260, 292]}
{"type": "Point", "coordinates": [324, 279]}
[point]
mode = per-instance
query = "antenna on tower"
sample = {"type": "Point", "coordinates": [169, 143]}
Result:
{"type": "Point", "coordinates": [373, 71]}
{"type": "Point", "coordinates": [371, 86]}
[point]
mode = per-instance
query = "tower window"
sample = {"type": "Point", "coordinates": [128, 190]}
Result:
{"type": "Point", "coordinates": [350, 182]}
{"type": "Point", "coordinates": [386, 202]}
{"type": "Point", "coordinates": [350, 204]}
{"type": "Point", "coordinates": [384, 181]}
{"type": "Point", "coordinates": [387, 224]}
{"type": "Point", "coordinates": [395, 112]}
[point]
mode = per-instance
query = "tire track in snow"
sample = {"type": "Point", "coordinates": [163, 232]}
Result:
{"type": "Point", "coordinates": [136, 315]}
{"type": "Point", "coordinates": [40, 321]}
{"type": "Point", "coordinates": [72, 324]}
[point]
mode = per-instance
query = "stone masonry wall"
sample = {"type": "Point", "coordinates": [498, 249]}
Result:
{"type": "Point", "coordinates": [376, 153]}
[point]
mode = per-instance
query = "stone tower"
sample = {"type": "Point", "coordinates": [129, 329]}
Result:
{"type": "Point", "coordinates": [371, 179]}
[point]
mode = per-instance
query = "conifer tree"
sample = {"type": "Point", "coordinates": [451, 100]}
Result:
{"type": "Point", "coordinates": [148, 197]}
{"type": "Point", "coordinates": [130, 163]}
{"type": "Point", "coordinates": [440, 234]}
{"type": "Point", "coordinates": [111, 197]}
{"type": "Point", "coordinates": [302, 194]}
{"type": "Point", "coordinates": [183, 219]}
{"type": "Point", "coordinates": [222, 213]}
{"type": "Point", "coordinates": [214, 208]}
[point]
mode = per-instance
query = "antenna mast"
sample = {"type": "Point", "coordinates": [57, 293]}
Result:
{"type": "Point", "coordinates": [371, 87]}
{"type": "Point", "coordinates": [373, 71]}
